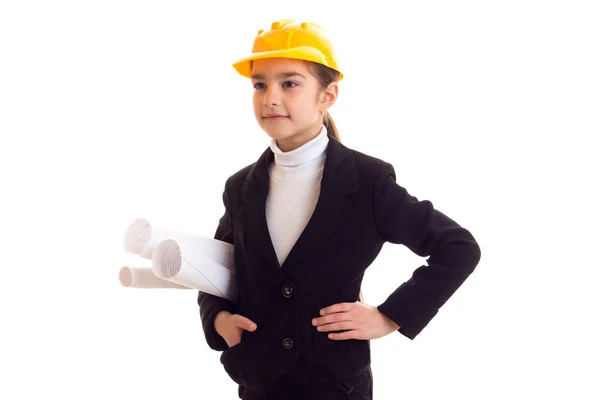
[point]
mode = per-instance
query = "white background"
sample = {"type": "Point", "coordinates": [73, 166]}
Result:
{"type": "Point", "coordinates": [114, 110]}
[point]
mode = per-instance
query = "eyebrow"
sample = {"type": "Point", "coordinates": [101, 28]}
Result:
{"type": "Point", "coordinates": [280, 76]}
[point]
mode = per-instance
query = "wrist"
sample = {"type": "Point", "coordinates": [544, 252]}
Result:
{"type": "Point", "coordinates": [393, 326]}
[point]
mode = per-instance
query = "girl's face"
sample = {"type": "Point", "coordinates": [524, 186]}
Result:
{"type": "Point", "coordinates": [288, 101]}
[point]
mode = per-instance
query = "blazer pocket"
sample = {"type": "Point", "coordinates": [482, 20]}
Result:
{"type": "Point", "coordinates": [232, 358]}
{"type": "Point", "coordinates": [358, 388]}
{"type": "Point", "coordinates": [233, 361]}
{"type": "Point", "coordinates": [352, 393]}
{"type": "Point", "coordinates": [239, 361]}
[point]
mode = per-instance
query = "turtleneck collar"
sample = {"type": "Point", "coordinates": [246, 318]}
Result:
{"type": "Point", "coordinates": [304, 163]}
{"type": "Point", "coordinates": [303, 154]}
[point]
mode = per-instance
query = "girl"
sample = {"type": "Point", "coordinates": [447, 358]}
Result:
{"type": "Point", "coordinates": [306, 220]}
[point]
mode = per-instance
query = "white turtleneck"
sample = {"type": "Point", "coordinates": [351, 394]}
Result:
{"type": "Point", "coordinates": [295, 182]}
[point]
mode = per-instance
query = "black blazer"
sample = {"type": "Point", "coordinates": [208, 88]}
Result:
{"type": "Point", "coordinates": [360, 207]}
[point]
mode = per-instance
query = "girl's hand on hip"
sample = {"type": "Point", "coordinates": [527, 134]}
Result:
{"type": "Point", "coordinates": [357, 320]}
{"type": "Point", "coordinates": [230, 327]}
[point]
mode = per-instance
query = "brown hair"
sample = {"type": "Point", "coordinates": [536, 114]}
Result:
{"type": "Point", "coordinates": [325, 76]}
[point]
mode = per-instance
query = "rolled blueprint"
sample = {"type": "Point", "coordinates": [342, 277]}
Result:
{"type": "Point", "coordinates": [142, 237]}
{"type": "Point", "coordinates": [144, 278]}
{"type": "Point", "coordinates": [187, 265]}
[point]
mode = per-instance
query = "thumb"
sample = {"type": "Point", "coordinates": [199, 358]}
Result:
{"type": "Point", "coordinates": [245, 323]}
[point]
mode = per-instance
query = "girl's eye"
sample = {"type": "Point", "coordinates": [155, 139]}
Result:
{"type": "Point", "coordinates": [286, 84]}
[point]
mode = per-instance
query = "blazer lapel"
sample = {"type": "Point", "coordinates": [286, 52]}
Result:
{"type": "Point", "coordinates": [340, 179]}
{"type": "Point", "coordinates": [253, 211]}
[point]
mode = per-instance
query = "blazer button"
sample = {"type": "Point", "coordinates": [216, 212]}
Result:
{"type": "Point", "coordinates": [287, 291]}
{"type": "Point", "coordinates": [288, 343]}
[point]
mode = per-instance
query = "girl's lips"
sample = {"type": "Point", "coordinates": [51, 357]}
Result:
{"type": "Point", "coordinates": [276, 117]}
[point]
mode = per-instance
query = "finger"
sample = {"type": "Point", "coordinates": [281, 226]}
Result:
{"type": "Point", "coordinates": [245, 323]}
{"type": "Point", "coordinates": [337, 326]}
{"type": "Point", "coordinates": [340, 307]}
{"type": "Point", "coordinates": [352, 334]}
{"type": "Point", "coordinates": [328, 319]}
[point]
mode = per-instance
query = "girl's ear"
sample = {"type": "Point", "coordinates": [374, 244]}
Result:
{"type": "Point", "coordinates": [330, 95]}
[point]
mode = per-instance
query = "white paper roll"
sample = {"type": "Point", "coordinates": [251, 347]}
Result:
{"type": "Point", "coordinates": [187, 265]}
{"type": "Point", "coordinates": [144, 278]}
{"type": "Point", "coordinates": [142, 237]}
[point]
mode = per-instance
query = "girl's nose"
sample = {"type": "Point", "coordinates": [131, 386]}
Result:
{"type": "Point", "coordinates": [271, 97]}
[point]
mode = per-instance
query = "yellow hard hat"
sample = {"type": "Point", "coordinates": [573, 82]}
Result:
{"type": "Point", "coordinates": [291, 39]}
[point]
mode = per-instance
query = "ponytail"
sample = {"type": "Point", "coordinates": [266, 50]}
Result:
{"type": "Point", "coordinates": [330, 126]}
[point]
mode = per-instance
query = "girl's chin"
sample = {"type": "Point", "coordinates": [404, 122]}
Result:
{"type": "Point", "coordinates": [277, 134]}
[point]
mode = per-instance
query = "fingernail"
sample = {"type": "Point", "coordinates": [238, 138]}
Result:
{"type": "Point", "coordinates": [314, 321]}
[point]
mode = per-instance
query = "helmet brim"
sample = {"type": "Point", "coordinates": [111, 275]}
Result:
{"type": "Point", "coordinates": [306, 53]}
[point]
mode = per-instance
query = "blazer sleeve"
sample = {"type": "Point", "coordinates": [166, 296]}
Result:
{"type": "Point", "coordinates": [452, 250]}
{"type": "Point", "coordinates": [210, 305]}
